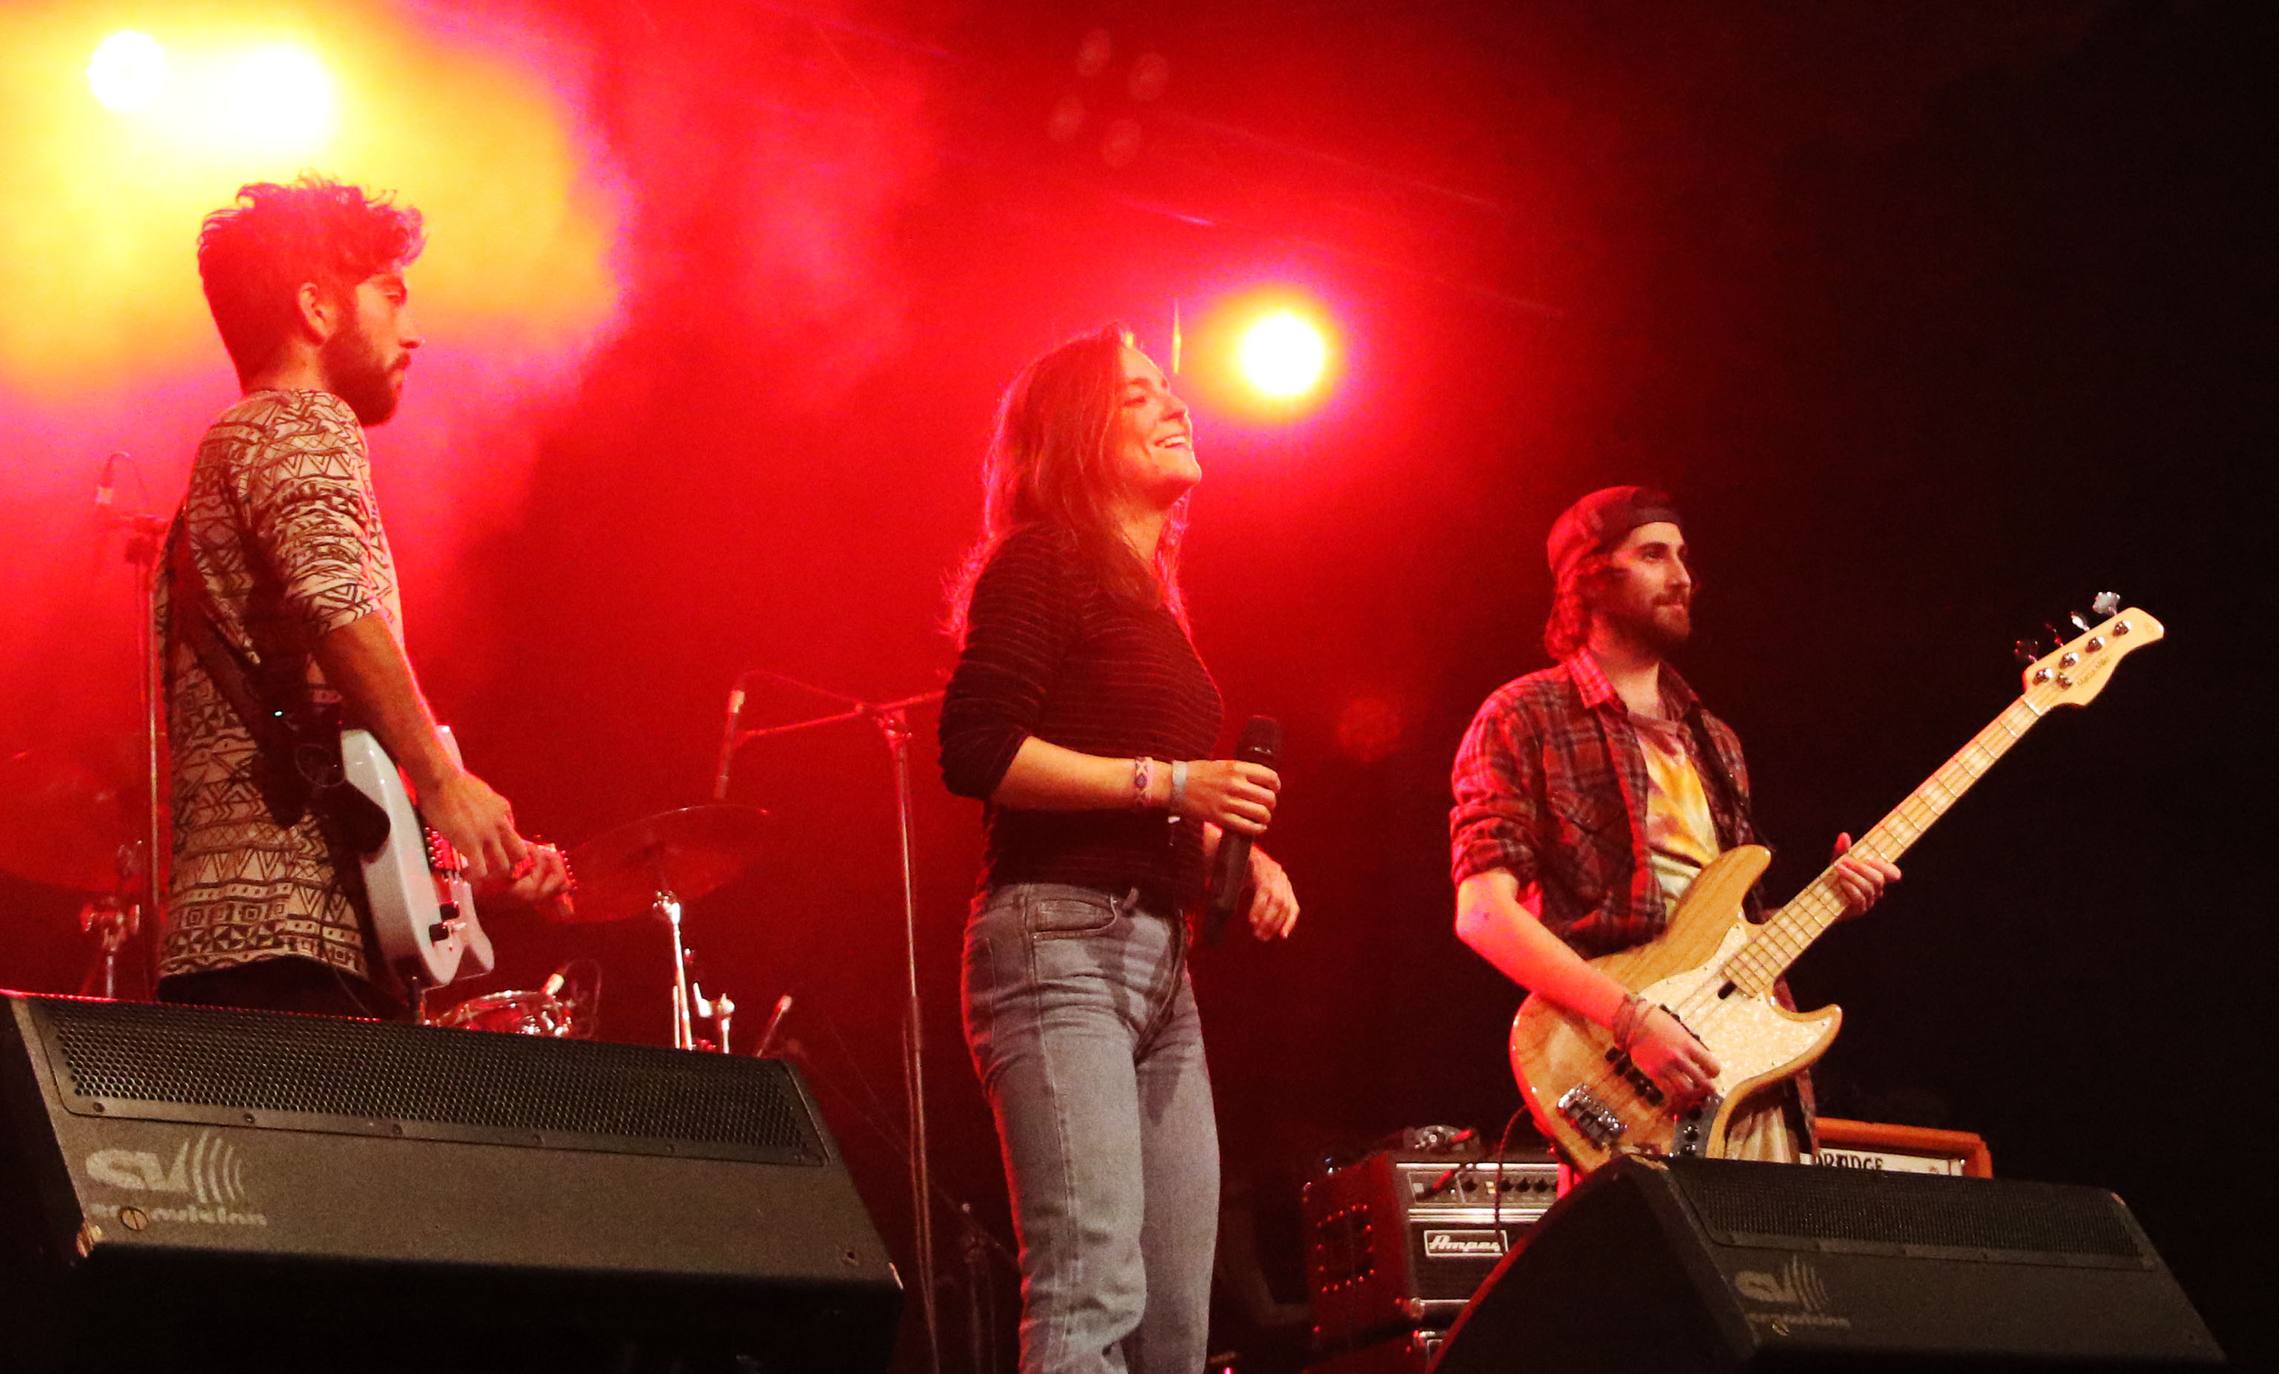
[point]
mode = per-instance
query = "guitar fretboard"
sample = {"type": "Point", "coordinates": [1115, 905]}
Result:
{"type": "Point", "coordinates": [1789, 931]}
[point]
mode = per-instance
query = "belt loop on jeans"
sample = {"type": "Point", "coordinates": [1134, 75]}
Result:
{"type": "Point", "coordinates": [1128, 903]}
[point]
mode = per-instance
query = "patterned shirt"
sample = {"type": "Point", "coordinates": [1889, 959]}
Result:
{"type": "Point", "coordinates": [285, 537]}
{"type": "Point", "coordinates": [1551, 784]}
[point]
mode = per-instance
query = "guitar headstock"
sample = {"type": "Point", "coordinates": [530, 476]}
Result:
{"type": "Point", "coordinates": [2076, 670]}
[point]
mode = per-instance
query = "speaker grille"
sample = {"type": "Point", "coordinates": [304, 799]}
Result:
{"type": "Point", "coordinates": [180, 1063]}
{"type": "Point", "coordinates": [1732, 1200]}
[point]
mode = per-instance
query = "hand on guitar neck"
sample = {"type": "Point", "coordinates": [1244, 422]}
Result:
{"type": "Point", "coordinates": [1860, 877]}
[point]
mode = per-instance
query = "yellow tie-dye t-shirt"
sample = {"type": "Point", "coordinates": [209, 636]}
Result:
{"type": "Point", "coordinates": [1681, 836]}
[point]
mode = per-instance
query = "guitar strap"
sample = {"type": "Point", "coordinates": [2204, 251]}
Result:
{"type": "Point", "coordinates": [1712, 767]}
{"type": "Point", "coordinates": [302, 746]}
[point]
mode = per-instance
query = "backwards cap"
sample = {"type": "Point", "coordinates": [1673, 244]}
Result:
{"type": "Point", "coordinates": [1602, 520]}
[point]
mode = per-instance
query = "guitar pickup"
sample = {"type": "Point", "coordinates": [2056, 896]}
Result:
{"type": "Point", "coordinates": [1593, 1118]}
{"type": "Point", "coordinates": [1636, 1077]}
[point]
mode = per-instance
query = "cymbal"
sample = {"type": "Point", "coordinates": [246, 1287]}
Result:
{"type": "Point", "coordinates": [691, 852]}
{"type": "Point", "coordinates": [62, 821]}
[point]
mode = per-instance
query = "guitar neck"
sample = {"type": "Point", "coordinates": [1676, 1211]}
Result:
{"type": "Point", "coordinates": [1793, 928]}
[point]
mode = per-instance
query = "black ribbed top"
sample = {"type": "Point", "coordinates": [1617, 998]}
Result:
{"type": "Point", "coordinates": [1049, 654]}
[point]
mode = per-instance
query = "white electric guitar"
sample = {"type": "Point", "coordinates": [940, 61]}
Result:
{"type": "Point", "coordinates": [423, 910]}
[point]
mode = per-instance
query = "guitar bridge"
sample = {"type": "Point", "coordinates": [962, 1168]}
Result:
{"type": "Point", "coordinates": [1598, 1123]}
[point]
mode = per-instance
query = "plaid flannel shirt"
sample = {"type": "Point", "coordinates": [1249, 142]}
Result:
{"type": "Point", "coordinates": [1550, 784]}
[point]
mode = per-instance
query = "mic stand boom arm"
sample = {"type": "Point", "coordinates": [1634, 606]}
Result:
{"type": "Point", "coordinates": [893, 720]}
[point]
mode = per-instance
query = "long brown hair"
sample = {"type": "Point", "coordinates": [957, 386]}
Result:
{"type": "Point", "coordinates": [1568, 627]}
{"type": "Point", "coordinates": [1049, 464]}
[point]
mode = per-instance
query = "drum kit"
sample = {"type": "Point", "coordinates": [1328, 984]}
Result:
{"type": "Point", "coordinates": [647, 868]}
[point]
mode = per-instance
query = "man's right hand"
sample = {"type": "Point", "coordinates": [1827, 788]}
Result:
{"type": "Point", "coordinates": [477, 821]}
{"type": "Point", "coordinates": [1669, 1054]}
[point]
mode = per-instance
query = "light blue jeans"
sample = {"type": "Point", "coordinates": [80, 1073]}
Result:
{"type": "Point", "coordinates": [1083, 1028]}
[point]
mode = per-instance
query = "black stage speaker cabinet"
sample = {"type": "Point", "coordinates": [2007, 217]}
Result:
{"type": "Point", "coordinates": [184, 1189]}
{"type": "Point", "coordinates": [1724, 1265]}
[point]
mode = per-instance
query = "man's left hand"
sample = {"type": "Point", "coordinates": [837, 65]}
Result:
{"type": "Point", "coordinates": [1861, 877]}
{"type": "Point", "coordinates": [1273, 906]}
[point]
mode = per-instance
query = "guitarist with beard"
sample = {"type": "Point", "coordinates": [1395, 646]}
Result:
{"type": "Point", "coordinates": [1590, 794]}
{"type": "Point", "coordinates": [277, 601]}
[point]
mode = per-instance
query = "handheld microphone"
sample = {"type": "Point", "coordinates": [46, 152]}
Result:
{"type": "Point", "coordinates": [728, 741]}
{"type": "Point", "coordinates": [1261, 743]}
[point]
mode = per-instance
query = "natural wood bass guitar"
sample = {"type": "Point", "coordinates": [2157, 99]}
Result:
{"type": "Point", "coordinates": [1714, 970]}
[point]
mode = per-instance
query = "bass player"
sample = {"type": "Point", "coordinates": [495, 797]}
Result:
{"type": "Point", "coordinates": [1588, 795]}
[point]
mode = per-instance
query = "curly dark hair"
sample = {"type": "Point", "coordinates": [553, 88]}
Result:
{"type": "Point", "coordinates": [1049, 464]}
{"type": "Point", "coordinates": [254, 256]}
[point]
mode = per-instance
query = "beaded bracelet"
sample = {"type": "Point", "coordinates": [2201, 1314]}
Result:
{"type": "Point", "coordinates": [1629, 1021]}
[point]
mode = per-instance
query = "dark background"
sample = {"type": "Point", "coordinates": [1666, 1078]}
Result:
{"type": "Point", "coordinates": [1939, 319]}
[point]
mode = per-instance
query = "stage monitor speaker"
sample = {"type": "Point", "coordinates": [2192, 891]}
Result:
{"type": "Point", "coordinates": [1724, 1265]}
{"type": "Point", "coordinates": [192, 1189]}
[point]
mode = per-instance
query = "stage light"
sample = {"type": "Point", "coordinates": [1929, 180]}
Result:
{"type": "Point", "coordinates": [277, 98]}
{"type": "Point", "coordinates": [126, 139]}
{"type": "Point", "coordinates": [1284, 355]}
{"type": "Point", "coordinates": [127, 72]}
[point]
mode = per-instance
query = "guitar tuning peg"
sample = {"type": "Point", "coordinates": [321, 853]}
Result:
{"type": "Point", "coordinates": [2080, 622]}
{"type": "Point", "coordinates": [2106, 604]}
{"type": "Point", "coordinates": [2057, 636]}
{"type": "Point", "coordinates": [2024, 649]}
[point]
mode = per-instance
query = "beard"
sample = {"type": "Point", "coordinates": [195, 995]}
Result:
{"type": "Point", "coordinates": [1662, 627]}
{"type": "Point", "coordinates": [357, 374]}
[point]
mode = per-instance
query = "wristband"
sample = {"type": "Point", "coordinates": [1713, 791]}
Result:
{"type": "Point", "coordinates": [1178, 785]}
{"type": "Point", "coordinates": [1629, 1021]}
{"type": "Point", "coordinates": [1143, 774]}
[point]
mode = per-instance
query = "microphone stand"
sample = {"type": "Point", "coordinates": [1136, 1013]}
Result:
{"type": "Point", "coordinates": [146, 540]}
{"type": "Point", "coordinates": [893, 721]}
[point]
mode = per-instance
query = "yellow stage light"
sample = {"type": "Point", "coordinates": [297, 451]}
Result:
{"type": "Point", "coordinates": [98, 251]}
{"type": "Point", "coordinates": [127, 72]}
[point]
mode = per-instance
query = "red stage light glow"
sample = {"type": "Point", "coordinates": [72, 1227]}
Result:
{"type": "Point", "coordinates": [1284, 355]}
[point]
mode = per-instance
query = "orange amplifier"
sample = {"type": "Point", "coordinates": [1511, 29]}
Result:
{"type": "Point", "coordinates": [1903, 1149]}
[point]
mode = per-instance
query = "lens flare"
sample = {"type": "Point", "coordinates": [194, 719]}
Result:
{"type": "Point", "coordinates": [127, 72]}
{"type": "Point", "coordinates": [1284, 355]}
